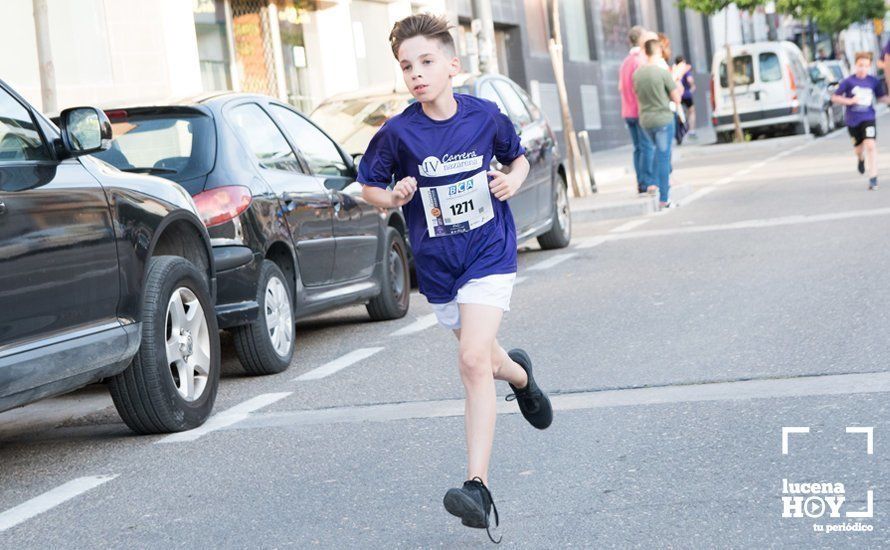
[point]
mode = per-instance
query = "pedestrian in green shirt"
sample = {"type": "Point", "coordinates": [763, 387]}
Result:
{"type": "Point", "coordinates": [655, 89]}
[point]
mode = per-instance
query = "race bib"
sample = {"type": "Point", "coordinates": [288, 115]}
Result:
{"type": "Point", "coordinates": [457, 207]}
{"type": "Point", "coordinates": [864, 96]}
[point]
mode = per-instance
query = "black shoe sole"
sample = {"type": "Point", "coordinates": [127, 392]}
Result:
{"type": "Point", "coordinates": [468, 510]}
{"type": "Point", "coordinates": [544, 416]}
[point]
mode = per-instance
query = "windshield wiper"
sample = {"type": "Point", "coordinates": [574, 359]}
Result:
{"type": "Point", "coordinates": [149, 170]}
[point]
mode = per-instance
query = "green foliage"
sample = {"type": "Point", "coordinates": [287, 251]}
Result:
{"type": "Point", "coordinates": [833, 16]}
{"type": "Point", "coordinates": [710, 7]}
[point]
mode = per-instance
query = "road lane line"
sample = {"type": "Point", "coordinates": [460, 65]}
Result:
{"type": "Point", "coordinates": [755, 224]}
{"type": "Point", "coordinates": [589, 242]}
{"type": "Point", "coordinates": [551, 262]}
{"type": "Point", "coordinates": [226, 418]}
{"type": "Point", "coordinates": [422, 323]}
{"type": "Point", "coordinates": [697, 195]}
{"type": "Point", "coordinates": [338, 364]}
{"type": "Point", "coordinates": [734, 390]}
{"type": "Point", "coordinates": [627, 226]}
{"type": "Point", "coordinates": [519, 279]}
{"type": "Point", "coordinates": [50, 499]}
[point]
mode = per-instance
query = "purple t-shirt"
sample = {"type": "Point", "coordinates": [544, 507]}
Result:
{"type": "Point", "coordinates": [688, 80]}
{"type": "Point", "coordinates": [866, 91]}
{"type": "Point", "coordinates": [438, 153]}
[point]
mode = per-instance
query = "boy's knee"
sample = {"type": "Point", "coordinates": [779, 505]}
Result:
{"type": "Point", "coordinates": [475, 362]}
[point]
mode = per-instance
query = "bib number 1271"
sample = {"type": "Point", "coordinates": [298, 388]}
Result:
{"type": "Point", "coordinates": [461, 207]}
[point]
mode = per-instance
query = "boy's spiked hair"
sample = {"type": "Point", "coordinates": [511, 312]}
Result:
{"type": "Point", "coordinates": [434, 27]}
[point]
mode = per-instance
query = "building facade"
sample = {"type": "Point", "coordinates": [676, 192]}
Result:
{"type": "Point", "coordinates": [129, 51]}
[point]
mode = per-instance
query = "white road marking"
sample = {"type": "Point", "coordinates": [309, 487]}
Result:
{"type": "Point", "coordinates": [627, 226]}
{"type": "Point", "coordinates": [756, 224]}
{"type": "Point", "coordinates": [768, 388]}
{"type": "Point", "coordinates": [550, 262]}
{"type": "Point", "coordinates": [422, 323]}
{"type": "Point", "coordinates": [50, 499]}
{"type": "Point", "coordinates": [340, 363]}
{"type": "Point", "coordinates": [226, 418]}
{"type": "Point", "coordinates": [697, 195]}
{"type": "Point", "coordinates": [590, 242]}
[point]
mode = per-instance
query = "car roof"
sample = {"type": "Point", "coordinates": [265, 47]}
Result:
{"type": "Point", "coordinates": [462, 79]}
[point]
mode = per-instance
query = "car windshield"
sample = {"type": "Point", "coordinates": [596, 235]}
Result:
{"type": "Point", "coordinates": [353, 122]}
{"type": "Point", "coordinates": [175, 145]}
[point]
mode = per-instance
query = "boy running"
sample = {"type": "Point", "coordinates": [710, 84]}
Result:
{"type": "Point", "coordinates": [858, 93]}
{"type": "Point", "coordinates": [461, 231]}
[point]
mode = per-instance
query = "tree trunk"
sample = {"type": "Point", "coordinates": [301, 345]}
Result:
{"type": "Point", "coordinates": [730, 76]}
{"type": "Point", "coordinates": [573, 151]}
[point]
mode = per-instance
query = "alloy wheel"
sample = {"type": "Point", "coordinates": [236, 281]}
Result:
{"type": "Point", "coordinates": [187, 344]}
{"type": "Point", "coordinates": [279, 317]}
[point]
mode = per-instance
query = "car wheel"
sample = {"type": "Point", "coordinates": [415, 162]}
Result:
{"type": "Point", "coordinates": [395, 286]}
{"type": "Point", "coordinates": [171, 384]}
{"type": "Point", "coordinates": [266, 346]}
{"type": "Point", "coordinates": [560, 233]}
{"type": "Point", "coordinates": [824, 124]}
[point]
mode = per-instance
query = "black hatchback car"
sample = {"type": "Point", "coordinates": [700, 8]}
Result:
{"type": "Point", "coordinates": [291, 234]}
{"type": "Point", "coordinates": [103, 276]}
{"type": "Point", "coordinates": [540, 209]}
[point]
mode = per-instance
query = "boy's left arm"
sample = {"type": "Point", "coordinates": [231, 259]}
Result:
{"type": "Point", "coordinates": [504, 186]}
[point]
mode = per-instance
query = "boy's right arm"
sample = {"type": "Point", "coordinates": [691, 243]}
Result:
{"type": "Point", "coordinates": [402, 193]}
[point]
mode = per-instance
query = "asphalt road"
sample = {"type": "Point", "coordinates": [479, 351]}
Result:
{"type": "Point", "coordinates": [676, 348]}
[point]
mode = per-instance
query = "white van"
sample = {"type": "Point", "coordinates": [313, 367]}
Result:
{"type": "Point", "coordinates": [772, 88]}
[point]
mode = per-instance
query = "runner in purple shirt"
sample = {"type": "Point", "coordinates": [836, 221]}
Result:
{"type": "Point", "coordinates": [438, 152]}
{"type": "Point", "coordinates": [858, 92]}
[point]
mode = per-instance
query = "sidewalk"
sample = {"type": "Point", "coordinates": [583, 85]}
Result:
{"type": "Point", "coordinates": [617, 196]}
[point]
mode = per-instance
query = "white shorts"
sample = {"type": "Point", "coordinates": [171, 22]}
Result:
{"type": "Point", "coordinates": [491, 290]}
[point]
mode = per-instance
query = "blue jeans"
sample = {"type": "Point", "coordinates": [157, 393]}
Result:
{"type": "Point", "coordinates": [640, 151]}
{"type": "Point", "coordinates": [658, 160]}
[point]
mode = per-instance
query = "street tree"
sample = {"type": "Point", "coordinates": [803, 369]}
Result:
{"type": "Point", "coordinates": [831, 16]}
{"type": "Point", "coordinates": [710, 7]}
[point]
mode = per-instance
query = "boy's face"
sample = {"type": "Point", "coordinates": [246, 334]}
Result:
{"type": "Point", "coordinates": [863, 64]}
{"type": "Point", "coordinates": [427, 67]}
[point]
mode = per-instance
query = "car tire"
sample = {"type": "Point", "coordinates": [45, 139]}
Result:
{"type": "Point", "coordinates": [560, 233]}
{"type": "Point", "coordinates": [261, 348]}
{"type": "Point", "coordinates": [150, 397]}
{"type": "Point", "coordinates": [395, 293]}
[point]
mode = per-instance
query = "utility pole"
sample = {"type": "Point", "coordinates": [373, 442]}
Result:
{"type": "Point", "coordinates": [45, 58]}
{"type": "Point", "coordinates": [488, 59]}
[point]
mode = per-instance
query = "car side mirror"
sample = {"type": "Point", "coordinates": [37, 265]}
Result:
{"type": "Point", "coordinates": [85, 130]}
{"type": "Point", "coordinates": [356, 159]}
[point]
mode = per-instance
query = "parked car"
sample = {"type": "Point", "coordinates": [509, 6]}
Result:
{"type": "Point", "coordinates": [103, 276]}
{"type": "Point", "coordinates": [290, 232]}
{"type": "Point", "coordinates": [773, 91]}
{"type": "Point", "coordinates": [540, 209]}
{"type": "Point", "coordinates": [825, 84]}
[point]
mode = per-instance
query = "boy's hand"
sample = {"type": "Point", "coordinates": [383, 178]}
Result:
{"type": "Point", "coordinates": [504, 185]}
{"type": "Point", "coordinates": [403, 191]}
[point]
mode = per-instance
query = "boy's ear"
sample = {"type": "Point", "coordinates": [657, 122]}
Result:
{"type": "Point", "coordinates": [454, 66]}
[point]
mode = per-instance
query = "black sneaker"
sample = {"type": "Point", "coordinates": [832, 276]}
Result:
{"type": "Point", "coordinates": [861, 166]}
{"type": "Point", "coordinates": [472, 503]}
{"type": "Point", "coordinates": [533, 403]}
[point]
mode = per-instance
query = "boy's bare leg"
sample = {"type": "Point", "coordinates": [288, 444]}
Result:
{"type": "Point", "coordinates": [503, 367]}
{"type": "Point", "coordinates": [479, 328]}
{"type": "Point", "coordinates": [871, 160]}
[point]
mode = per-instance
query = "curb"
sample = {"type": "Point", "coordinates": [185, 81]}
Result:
{"type": "Point", "coordinates": [590, 209]}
